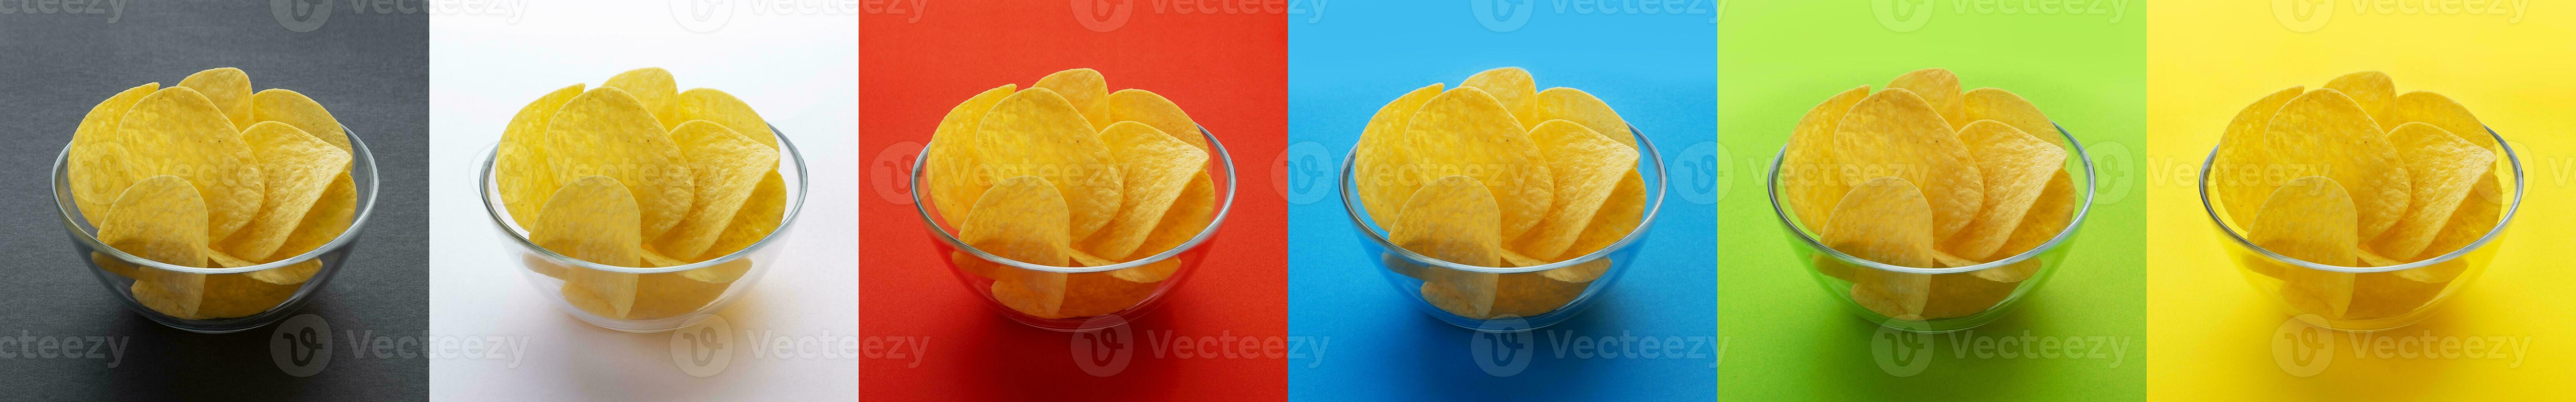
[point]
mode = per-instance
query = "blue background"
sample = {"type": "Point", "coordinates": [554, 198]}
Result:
{"type": "Point", "coordinates": [1657, 70]}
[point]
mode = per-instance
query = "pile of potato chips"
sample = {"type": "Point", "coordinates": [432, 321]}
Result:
{"type": "Point", "coordinates": [1922, 175]}
{"type": "Point", "coordinates": [1495, 173]}
{"type": "Point", "coordinates": [1068, 174]}
{"type": "Point", "coordinates": [209, 174]}
{"type": "Point", "coordinates": [635, 173]}
{"type": "Point", "coordinates": [2356, 175]}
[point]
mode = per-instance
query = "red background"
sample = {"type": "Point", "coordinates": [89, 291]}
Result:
{"type": "Point", "coordinates": [1227, 69]}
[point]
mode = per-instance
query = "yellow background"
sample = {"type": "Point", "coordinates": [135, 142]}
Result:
{"type": "Point", "coordinates": [2209, 332]}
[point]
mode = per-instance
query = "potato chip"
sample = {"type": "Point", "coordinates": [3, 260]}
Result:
{"type": "Point", "coordinates": [93, 166]}
{"type": "Point", "coordinates": [723, 109]}
{"type": "Point", "coordinates": [1085, 89]}
{"type": "Point", "coordinates": [1897, 295]}
{"type": "Point", "coordinates": [242, 295]}
{"type": "Point", "coordinates": [1515, 259]}
{"type": "Point", "coordinates": [1815, 181]}
{"type": "Point", "coordinates": [652, 87]}
{"type": "Point", "coordinates": [1581, 108]}
{"type": "Point", "coordinates": [1939, 88]}
{"type": "Point", "coordinates": [2008, 108]}
{"type": "Point", "coordinates": [594, 218]}
{"type": "Point", "coordinates": [228, 88]}
{"type": "Point", "coordinates": [2325, 133]}
{"type": "Point", "coordinates": [1386, 170]}
{"type": "Point", "coordinates": [288, 275]}
{"type": "Point", "coordinates": [1588, 166]}
{"type": "Point", "coordinates": [1586, 271]}
{"type": "Point", "coordinates": [616, 137]}
{"type": "Point", "coordinates": [294, 109]}
{"type": "Point", "coordinates": [672, 294]}
{"type": "Point", "coordinates": [725, 272]}
{"type": "Point", "coordinates": [1894, 133]}
{"type": "Point", "coordinates": [1532, 294]}
{"type": "Point", "coordinates": [1512, 87]}
{"type": "Point", "coordinates": [520, 167]}
{"type": "Point", "coordinates": [2382, 295]}
{"type": "Point", "coordinates": [176, 131]}
{"type": "Point", "coordinates": [759, 217]}
{"type": "Point", "coordinates": [2373, 91]}
{"type": "Point", "coordinates": [1886, 220]}
{"type": "Point", "coordinates": [1035, 132]}
{"type": "Point", "coordinates": [326, 221]}
{"type": "Point", "coordinates": [1189, 215]}
{"type": "Point", "coordinates": [1147, 107]}
{"type": "Point", "coordinates": [2017, 169]}
{"type": "Point", "coordinates": [728, 166]}
{"type": "Point", "coordinates": [2442, 168]}
{"type": "Point", "coordinates": [2310, 219]}
{"type": "Point", "coordinates": [161, 218]}
{"type": "Point", "coordinates": [1466, 132]}
{"type": "Point", "coordinates": [2049, 216]}
{"type": "Point", "coordinates": [2245, 172]}
{"type": "Point", "coordinates": [1023, 218]}
{"type": "Point", "coordinates": [2476, 217]}
{"type": "Point", "coordinates": [1961, 295]}
{"type": "Point", "coordinates": [1156, 169]}
{"type": "Point", "coordinates": [1099, 293]}
{"type": "Point", "coordinates": [957, 174]}
{"type": "Point", "coordinates": [1451, 219]}
{"type": "Point", "coordinates": [1467, 294]}
{"type": "Point", "coordinates": [299, 168]}
{"type": "Point", "coordinates": [2440, 111]}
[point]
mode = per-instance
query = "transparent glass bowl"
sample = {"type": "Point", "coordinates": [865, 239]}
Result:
{"type": "Point", "coordinates": [2377, 298]}
{"type": "Point", "coordinates": [272, 302]}
{"type": "Point", "coordinates": [1130, 300]}
{"type": "Point", "coordinates": [1957, 298]}
{"type": "Point", "coordinates": [665, 298]}
{"type": "Point", "coordinates": [1519, 289]}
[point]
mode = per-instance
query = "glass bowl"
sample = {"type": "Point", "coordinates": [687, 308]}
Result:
{"type": "Point", "coordinates": [2376, 298]}
{"type": "Point", "coordinates": [1957, 298]}
{"type": "Point", "coordinates": [1535, 301]}
{"type": "Point", "coordinates": [1116, 301]}
{"type": "Point", "coordinates": [256, 303]}
{"type": "Point", "coordinates": [666, 298]}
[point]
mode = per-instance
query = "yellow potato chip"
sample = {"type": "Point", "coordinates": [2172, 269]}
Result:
{"type": "Point", "coordinates": [161, 218]}
{"type": "Point", "coordinates": [242, 295]}
{"type": "Point", "coordinates": [1081, 259]}
{"type": "Point", "coordinates": [655, 259]}
{"type": "Point", "coordinates": [759, 217]}
{"type": "Point", "coordinates": [1897, 295]}
{"type": "Point", "coordinates": [521, 166]}
{"type": "Point", "coordinates": [1580, 273]}
{"type": "Point", "coordinates": [299, 168]}
{"type": "Point", "coordinates": [288, 275]}
{"type": "Point", "coordinates": [605, 132]}
{"type": "Point", "coordinates": [1939, 88]}
{"type": "Point", "coordinates": [723, 109]}
{"type": "Point", "coordinates": [1961, 295]}
{"type": "Point", "coordinates": [1894, 133]}
{"type": "Point", "coordinates": [2380, 295]}
{"type": "Point", "coordinates": [91, 165]}
{"type": "Point", "coordinates": [1618, 216]}
{"type": "Point", "coordinates": [1452, 219]}
{"type": "Point", "coordinates": [1386, 171]}
{"type": "Point", "coordinates": [2324, 132]}
{"type": "Point", "coordinates": [1156, 169]}
{"type": "Point", "coordinates": [720, 273]}
{"type": "Point", "coordinates": [2017, 167]}
{"type": "Point", "coordinates": [1515, 259]}
{"type": "Point", "coordinates": [1466, 132]}
{"type": "Point", "coordinates": [1531, 294]}
{"type": "Point", "coordinates": [957, 174]}
{"type": "Point", "coordinates": [1150, 272]}
{"type": "Point", "coordinates": [1467, 294]}
{"type": "Point", "coordinates": [594, 218]}
{"type": "Point", "coordinates": [228, 88]}
{"type": "Point", "coordinates": [1085, 89]}
{"type": "Point", "coordinates": [1816, 182]}
{"type": "Point", "coordinates": [671, 294]}
{"type": "Point", "coordinates": [2440, 111]}
{"type": "Point", "coordinates": [2008, 108]}
{"type": "Point", "coordinates": [2373, 91]}
{"type": "Point", "coordinates": [1581, 108]}
{"type": "Point", "coordinates": [1189, 215]}
{"type": "Point", "coordinates": [1036, 132]}
{"type": "Point", "coordinates": [728, 166]}
{"type": "Point", "coordinates": [326, 221]}
{"type": "Point", "coordinates": [1147, 107]}
{"type": "Point", "coordinates": [2443, 169]}
{"type": "Point", "coordinates": [2310, 219]}
{"type": "Point", "coordinates": [2476, 216]}
{"type": "Point", "coordinates": [652, 87]}
{"type": "Point", "coordinates": [1511, 86]}
{"type": "Point", "coordinates": [1588, 166]}
{"type": "Point", "coordinates": [2245, 171]}
{"type": "Point", "coordinates": [1099, 293]}
{"type": "Point", "coordinates": [176, 131]}
{"type": "Point", "coordinates": [294, 109]}
{"type": "Point", "coordinates": [2049, 216]}
{"type": "Point", "coordinates": [1023, 218]}
{"type": "Point", "coordinates": [1884, 220]}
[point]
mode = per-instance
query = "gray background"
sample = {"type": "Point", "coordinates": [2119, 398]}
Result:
{"type": "Point", "coordinates": [369, 66]}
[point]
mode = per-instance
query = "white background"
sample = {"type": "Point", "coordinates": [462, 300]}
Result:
{"type": "Point", "coordinates": [797, 67]}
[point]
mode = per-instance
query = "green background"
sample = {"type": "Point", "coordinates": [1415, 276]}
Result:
{"type": "Point", "coordinates": [1786, 339]}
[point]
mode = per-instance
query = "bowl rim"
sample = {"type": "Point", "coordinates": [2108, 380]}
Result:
{"type": "Point", "coordinates": [2209, 207]}
{"type": "Point", "coordinates": [1225, 207]}
{"type": "Point", "coordinates": [2092, 184]}
{"type": "Point", "coordinates": [1356, 211]}
{"type": "Point", "coordinates": [359, 156]}
{"type": "Point", "coordinates": [484, 186]}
